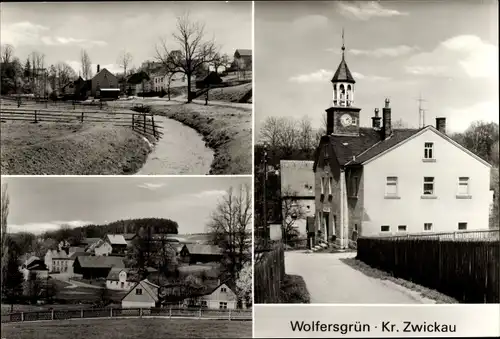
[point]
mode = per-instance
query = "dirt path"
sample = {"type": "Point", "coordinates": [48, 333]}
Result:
{"type": "Point", "coordinates": [181, 150]}
{"type": "Point", "coordinates": [329, 280]}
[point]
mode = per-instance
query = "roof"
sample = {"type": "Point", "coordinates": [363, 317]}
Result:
{"type": "Point", "coordinates": [103, 70]}
{"type": "Point", "coordinates": [148, 286]}
{"type": "Point", "coordinates": [100, 261]}
{"type": "Point", "coordinates": [244, 52]}
{"type": "Point", "coordinates": [129, 236]}
{"type": "Point", "coordinates": [297, 176]}
{"type": "Point", "coordinates": [397, 136]}
{"type": "Point", "coordinates": [203, 249]}
{"type": "Point", "coordinates": [74, 255]}
{"type": "Point", "coordinates": [343, 74]}
{"type": "Point", "coordinates": [56, 254]}
{"type": "Point", "coordinates": [74, 249]}
{"type": "Point", "coordinates": [116, 239]}
{"type": "Point", "coordinates": [31, 259]}
{"type": "Point", "coordinates": [212, 78]}
{"type": "Point", "coordinates": [90, 241]}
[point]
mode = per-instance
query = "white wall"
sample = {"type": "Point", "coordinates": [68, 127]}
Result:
{"type": "Point", "coordinates": [116, 285]}
{"type": "Point", "coordinates": [301, 224]}
{"type": "Point", "coordinates": [215, 304]}
{"type": "Point", "coordinates": [446, 211]}
{"type": "Point", "coordinates": [103, 249]}
{"type": "Point", "coordinates": [137, 304]}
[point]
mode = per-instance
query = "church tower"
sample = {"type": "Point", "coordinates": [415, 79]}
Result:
{"type": "Point", "coordinates": [342, 118]}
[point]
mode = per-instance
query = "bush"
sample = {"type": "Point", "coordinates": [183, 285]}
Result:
{"type": "Point", "coordinates": [53, 96]}
{"type": "Point", "coordinates": [142, 109]}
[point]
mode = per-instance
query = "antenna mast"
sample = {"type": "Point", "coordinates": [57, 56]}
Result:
{"type": "Point", "coordinates": [421, 112]}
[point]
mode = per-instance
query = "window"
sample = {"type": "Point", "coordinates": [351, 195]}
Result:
{"type": "Point", "coordinates": [385, 228]}
{"type": "Point", "coordinates": [462, 225]}
{"type": "Point", "coordinates": [354, 121]}
{"type": "Point", "coordinates": [428, 226]}
{"type": "Point", "coordinates": [463, 186]}
{"type": "Point", "coordinates": [204, 304]}
{"type": "Point", "coordinates": [122, 285]}
{"type": "Point", "coordinates": [223, 305]}
{"type": "Point", "coordinates": [353, 189]}
{"type": "Point", "coordinates": [330, 184]}
{"type": "Point", "coordinates": [138, 291]}
{"type": "Point", "coordinates": [322, 185]}
{"type": "Point", "coordinates": [428, 150]}
{"type": "Point", "coordinates": [223, 289]}
{"type": "Point", "coordinates": [428, 185]}
{"type": "Point", "coordinates": [391, 187]}
{"type": "Point", "coordinates": [401, 228]}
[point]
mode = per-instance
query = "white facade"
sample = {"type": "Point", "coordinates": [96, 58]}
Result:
{"type": "Point", "coordinates": [121, 284]}
{"type": "Point", "coordinates": [222, 298]}
{"type": "Point", "coordinates": [308, 208]}
{"type": "Point", "coordinates": [405, 208]}
{"type": "Point", "coordinates": [104, 248]}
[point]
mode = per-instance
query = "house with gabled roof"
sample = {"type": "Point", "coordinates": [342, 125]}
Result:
{"type": "Point", "coordinates": [91, 267]}
{"type": "Point", "coordinates": [121, 279]}
{"type": "Point", "coordinates": [200, 253]}
{"type": "Point", "coordinates": [221, 295]}
{"type": "Point", "coordinates": [382, 180]}
{"type": "Point", "coordinates": [143, 294]}
{"type": "Point", "coordinates": [104, 85]}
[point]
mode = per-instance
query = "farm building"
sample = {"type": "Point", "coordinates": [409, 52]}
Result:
{"type": "Point", "coordinates": [415, 173]}
{"type": "Point", "coordinates": [104, 83]}
{"type": "Point", "coordinates": [100, 248]}
{"type": "Point", "coordinates": [120, 279]}
{"type": "Point", "coordinates": [143, 294]}
{"type": "Point", "coordinates": [200, 253]}
{"type": "Point", "coordinates": [243, 58]}
{"type": "Point", "coordinates": [96, 266]}
{"type": "Point", "coordinates": [117, 242]}
{"type": "Point", "coordinates": [220, 296]}
{"type": "Point", "coordinates": [34, 266]}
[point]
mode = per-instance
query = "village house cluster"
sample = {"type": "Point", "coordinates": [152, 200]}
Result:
{"type": "Point", "coordinates": [97, 260]}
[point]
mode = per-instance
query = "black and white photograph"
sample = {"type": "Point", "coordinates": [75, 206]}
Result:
{"type": "Point", "coordinates": [126, 257]}
{"type": "Point", "coordinates": [121, 88]}
{"type": "Point", "coordinates": [376, 152]}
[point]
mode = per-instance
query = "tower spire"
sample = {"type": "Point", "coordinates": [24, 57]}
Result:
{"type": "Point", "coordinates": [343, 45]}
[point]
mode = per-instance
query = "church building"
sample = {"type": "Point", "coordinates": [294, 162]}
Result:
{"type": "Point", "coordinates": [379, 180]}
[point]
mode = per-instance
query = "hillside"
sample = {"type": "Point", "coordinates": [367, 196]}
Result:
{"type": "Point", "coordinates": [240, 93]}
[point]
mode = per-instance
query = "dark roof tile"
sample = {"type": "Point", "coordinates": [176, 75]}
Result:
{"type": "Point", "coordinates": [343, 73]}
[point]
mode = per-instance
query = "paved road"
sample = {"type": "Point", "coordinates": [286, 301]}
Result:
{"type": "Point", "coordinates": [329, 280]}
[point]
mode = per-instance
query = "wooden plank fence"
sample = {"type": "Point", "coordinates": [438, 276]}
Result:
{"type": "Point", "coordinates": [200, 313]}
{"type": "Point", "coordinates": [269, 273]}
{"type": "Point", "coordinates": [143, 123]}
{"type": "Point", "coordinates": [467, 270]}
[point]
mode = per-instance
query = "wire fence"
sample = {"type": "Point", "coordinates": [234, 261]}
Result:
{"type": "Point", "coordinates": [462, 235]}
{"type": "Point", "coordinates": [170, 312]}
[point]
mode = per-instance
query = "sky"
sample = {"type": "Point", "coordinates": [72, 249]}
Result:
{"type": "Point", "coordinates": [61, 30]}
{"type": "Point", "coordinates": [445, 51]}
{"type": "Point", "coordinates": [38, 204]}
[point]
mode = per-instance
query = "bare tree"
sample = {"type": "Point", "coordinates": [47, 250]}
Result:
{"type": "Point", "coordinates": [195, 52]}
{"type": "Point", "coordinates": [306, 135]}
{"type": "Point", "coordinates": [39, 74]}
{"type": "Point", "coordinates": [220, 60]}
{"type": "Point", "coordinates": [288, 135]}
{"type": "Point", "coordinates": [230, 228]}
{"type": "Point", "coordinates": [86, 65]}
{"type": "Point", "coordinates": [400, 123]}
{"type": "Point", "coordinates": [7, 53]}
{"type": "Point", "coordinates": [65, 73]}
{"type": "Point", "coordinates": [124, 60]}
{"type": "Point", "coordinates": [292, 211]}
{"type": "Point", "coordinates": [270, 132]}
{"type": "Point", "coordinates": [5, 212]}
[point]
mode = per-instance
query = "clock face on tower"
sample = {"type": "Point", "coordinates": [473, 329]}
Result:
{"type": "Point", "coordinates": [346, 120]}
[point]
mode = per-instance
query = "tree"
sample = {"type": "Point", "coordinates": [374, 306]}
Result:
{"type": "Point", "coordinates": [7, 52]}
{"type": "Point", "coordinates": [5, 201]}
{"type": "Point", "coordinates": [220, 60]}
{"type": "Point", "coordinates": [12, 278]}
{"type": "Point", "coordinates": [124, 60]}
{"type": "Point", "coordinates": [270, 132]}
{"type": "Point", "coordinates": [244, 284]}
{"type": "Point", "coordinates": [34, 287]}
{"type": "Point", "coordinates": [479, 138]}
{"type": "Point", "coordinates": [27, 69]}
{"type": "Point", "coordinates": [65, 73]}
{"type": "Point", "coordinates": [104, 296]}
{"type": "Point", "coordinates": [51, 289]}
{"type": "Point", "coordinates": [292, 212]}
{"type": "Point", "coordinates": [400, 123]}
{"type": "Point", "coordinates": [305, 135]}
{"type": "Point", "coordinates": [86, 65]}
{"type": "Point", "coordinates": [230, 229]}
{"type": "Point", "coordinates": [195, 52]}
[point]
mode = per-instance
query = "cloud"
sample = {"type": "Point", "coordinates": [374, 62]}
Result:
{"type": "Point", "coordinates": [62, 41]}
{"type": "Point", "coordinates": [22, 33]}
{"type": "Point", "coordinates": [40, 227]}
{"type": "Point", "coordinates": [317, 76]}
{"type": "Point", "coordinates": [325, 75]}
{"type": "Point", "coordinates": [458, 119]}
{"type": "Point", "coordinates": [310, 22]}
{"type": "Point", "coordinates": [366, 10]}
{"type": "Point", "coordinates": [211, 194]}
{"type": "Point", "coordinates": [357, 75]}
{"type": "Point", "coordinates": [395, 51]}
{"type": "Point", "coordinates": [151, 186]}
{"type": "Point", "coordinates": [463, 55]}
{"type": "Point", "coordinates": [27, 33]}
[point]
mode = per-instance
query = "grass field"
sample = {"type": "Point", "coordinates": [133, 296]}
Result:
{"type": "Point", "coordinates": [70, 149]}
{"type": "Point", "coordinates": [227, 130]}
{"type": "Point", "coordinates": [128, 328]}
{"type": "Point", "coordinates": [228, 94]}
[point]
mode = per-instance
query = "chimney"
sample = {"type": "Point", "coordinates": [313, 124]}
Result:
{"type": "Point", "coordinates": [98, 68]}
{"type": "Point", "coordinates": [441, 125]}
{"type": "Point", "coordinates": [376, 120]}
{"type": "Point", "coordinates": [386, 120]}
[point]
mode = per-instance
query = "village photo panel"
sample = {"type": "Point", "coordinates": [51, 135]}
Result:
{"type": "Point", "coordinates": [156, 256]}
{"type": "Point", "coordinates": [149, 88]}
{"type": "Point", "coordinates": [376, 163]}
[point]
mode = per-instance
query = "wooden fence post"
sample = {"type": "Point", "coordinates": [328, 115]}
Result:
{"type": "Point", "coordinates": [81, 313]}
{"type": "Point", "coordinates": [133, 116]}
{"type": "Point", "coordinates": [52, 315]}
{"type": "Point", "coordinates": [153, 124]}
{"type": "Point", "coordinates": [144, 126]}
{"type": "Point", "coordinates": [82, 117]}
{"type": "Point", "coordinates": [170, 312]}
{"type": "Point", "coordinates": [36, 117]}
{"type": "Point", "coordinates": [111, 312]}
{"type": "Point", "coordinates": [140, 312]}
{"type": "Point", "coordinates": [22, 316]}
{"type": "Point", "coordinates": [229, 314]}
{"type": "Point", "coordinates": [199, 313]}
